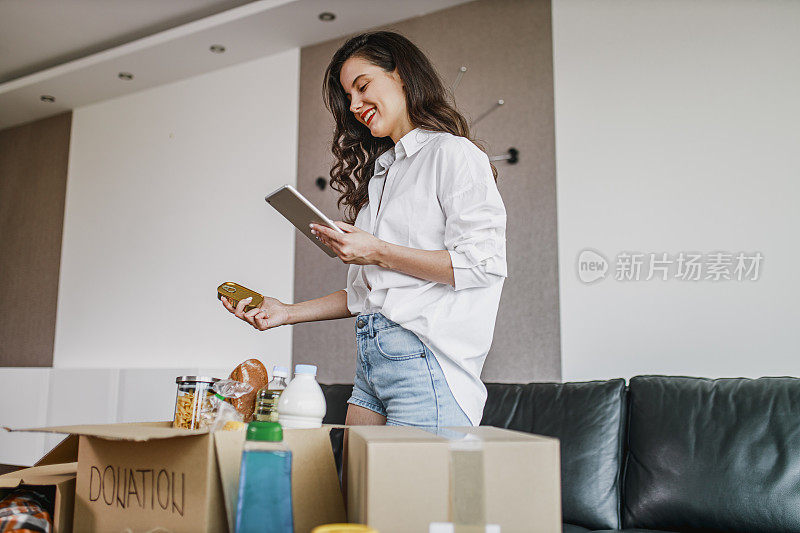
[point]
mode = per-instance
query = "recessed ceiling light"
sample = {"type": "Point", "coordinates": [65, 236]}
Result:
{"type": "Point", "coordinates": [125, 76]}
{"type": "Point", "coordinates": [47, 98]}
{"type": "Point", "coordinates": [217, 48]}
{"type": "Point", "coordinates": [327, 16]}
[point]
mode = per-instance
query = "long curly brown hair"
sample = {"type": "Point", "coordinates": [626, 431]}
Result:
{"type": "Point", "coordinates": [427, 102]}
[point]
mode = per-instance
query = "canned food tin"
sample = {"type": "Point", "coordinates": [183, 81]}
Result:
{"type": "Point", "coordinates": [343, 528]}
{"type": "Point", "coordinates": [193, 401]}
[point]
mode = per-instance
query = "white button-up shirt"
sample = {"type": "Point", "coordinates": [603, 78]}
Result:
{"type": "Point", "coordinates": [439, 195]}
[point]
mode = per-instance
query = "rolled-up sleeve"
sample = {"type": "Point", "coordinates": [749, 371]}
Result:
{"type": "Point", "coordinates": [475, 216]}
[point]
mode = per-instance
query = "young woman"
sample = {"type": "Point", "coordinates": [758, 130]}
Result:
{"type": "Point", "coordinates": [424, 238]}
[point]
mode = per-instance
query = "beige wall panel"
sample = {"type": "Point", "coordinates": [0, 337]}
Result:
{"type": "Point", "coordinates": [507, 47]}
{"type": "Point", "coordinates": [33, 179]}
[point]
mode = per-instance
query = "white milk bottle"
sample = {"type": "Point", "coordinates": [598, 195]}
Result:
{"type": "Point", "coordinates": [302, 403]}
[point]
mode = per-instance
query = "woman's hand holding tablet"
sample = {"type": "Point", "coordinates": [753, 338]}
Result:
{"type": "Point", "coordinates": [302, 213]}
{"type": "Point", "coordinates": [354, 245]}
{"type": "Point", "coordinates": [337, 239]}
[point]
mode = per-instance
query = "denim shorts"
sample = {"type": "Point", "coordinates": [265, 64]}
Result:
{"type": "Point", "coordinates": [398, 376]}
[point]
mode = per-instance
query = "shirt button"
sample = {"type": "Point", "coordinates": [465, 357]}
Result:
{"type": "Point", "coordinates": [360, 323]}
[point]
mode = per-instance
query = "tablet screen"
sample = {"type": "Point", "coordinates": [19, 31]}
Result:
{"type": "Point", "coordinates": [300, 212]}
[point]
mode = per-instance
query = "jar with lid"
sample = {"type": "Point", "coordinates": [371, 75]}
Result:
{"type": "Point", "coordinates": [193, 401]}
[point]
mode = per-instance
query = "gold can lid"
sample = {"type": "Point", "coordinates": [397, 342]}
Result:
{"type": "Point", "coordinates": [344, 528]}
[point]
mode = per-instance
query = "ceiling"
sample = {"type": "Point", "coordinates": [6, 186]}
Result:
{"type": "Point", "coordinates": [78, 28]}
{"type": "Point", "coordinates": [74, 50]}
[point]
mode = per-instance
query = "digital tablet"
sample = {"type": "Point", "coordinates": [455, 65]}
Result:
{"type": "Point", "coordinates": [300, 212]}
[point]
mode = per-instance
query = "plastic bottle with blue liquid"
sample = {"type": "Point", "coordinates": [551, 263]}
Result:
{"type": "Point", "coordinates": [265, 482]}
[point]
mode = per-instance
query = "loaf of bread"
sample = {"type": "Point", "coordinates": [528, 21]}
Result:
{"type": "Point", "coordinates": [254, 374]}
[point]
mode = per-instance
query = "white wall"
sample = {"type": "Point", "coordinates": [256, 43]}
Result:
{"type": "Point", "coordinates": [46, 397]}
{"type": "Point", "coordinates": [677, 130]}
{"type": "Point", "coordinates": [165, 201]}
{"type": "Point", "coordinates": [24, 396]}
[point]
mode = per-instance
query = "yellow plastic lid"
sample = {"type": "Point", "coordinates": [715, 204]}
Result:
{"type": "Point", "coordinates": [343, 528]}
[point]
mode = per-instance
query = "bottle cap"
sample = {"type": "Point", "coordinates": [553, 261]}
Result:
{"type": "Point", "coordinates": [280, 371]}
{"type": "Point", "coordinates": [305, 369]}
{"type": "Point", "coordinates": [264, 431]}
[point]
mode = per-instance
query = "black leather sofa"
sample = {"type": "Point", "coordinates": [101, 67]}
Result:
{"type": "Point", "coordinates": [661, 454]}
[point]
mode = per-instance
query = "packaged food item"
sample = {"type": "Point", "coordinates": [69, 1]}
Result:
{"type": "Point", "coordinates": [254, 374]}
{"type": "Point", "coordinates": [234, 425]}
{"type": "Point", "coordinates": [302, 403]}
{"type": "Point", "coordinates": [26, 509]}
{"type": "Point", "coordinates": [265, 482]}
{"type": "Point", "coordinates": [235, 292]}
{"type": "Point", "coordinates": [267, 398]}
{"type": "Point", "coordinates": [225, 416]}
{"type": "Point", "coordinates": [193, 401]}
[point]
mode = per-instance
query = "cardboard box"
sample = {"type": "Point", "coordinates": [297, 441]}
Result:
{"type": "Point", "coordinates": [402, 479]}
{"type": "Point", "coordinates": [137, 477]}
{"type": "Point", "coordinates": [57, 480]}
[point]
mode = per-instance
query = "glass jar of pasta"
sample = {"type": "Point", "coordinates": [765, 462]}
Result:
{"type": "Point", "coordinates": [193, 401]}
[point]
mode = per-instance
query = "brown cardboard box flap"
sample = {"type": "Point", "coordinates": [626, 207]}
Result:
{"type": "Point", "coordinates": [316, 496]}
{"type": "Point", "coordinates": [493, 434]}
{"type": "Point", "coordinates": [453, 435]}
{"type": "Point", "coordinates": [12, 483]}
{"type": "Point", "coordinates": [36, 474]}
{"type": "Point", "coordinates": [228, 445]}
{"type": "Point", "coordinates": [64, 452]}
{"type": "Point", "coordinates": [136, 431]}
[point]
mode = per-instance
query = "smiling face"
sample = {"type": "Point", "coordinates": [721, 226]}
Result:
{"type": "Point", "coordinates": [376, 98]}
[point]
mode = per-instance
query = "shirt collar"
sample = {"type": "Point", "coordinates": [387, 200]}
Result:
{"type": "Point", "coordinates": [408, 145]}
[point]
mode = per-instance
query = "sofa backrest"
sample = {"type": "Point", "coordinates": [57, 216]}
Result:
{"type": "Point", "coordinates": [713, 454]}
{"type": "Point", "coordinates": [588, 418]}
{"type": "Point", "coordinates": [336, 397]}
